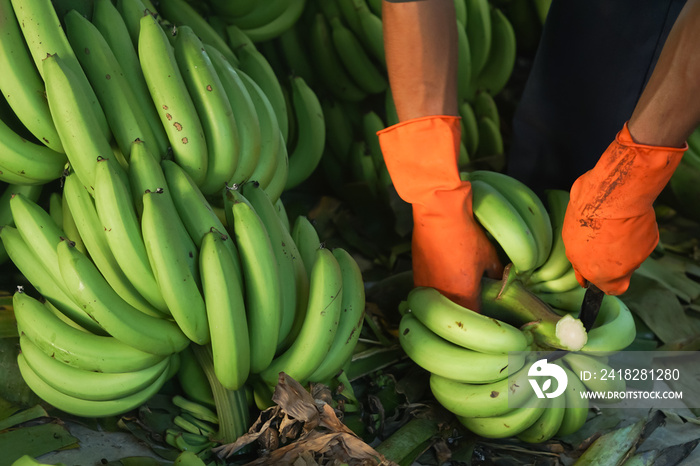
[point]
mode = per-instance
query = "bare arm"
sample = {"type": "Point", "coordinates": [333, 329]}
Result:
{"type": "Point", "coordinates": [669, 107]}
{"type": "Point", "coordinates": [420, 40]}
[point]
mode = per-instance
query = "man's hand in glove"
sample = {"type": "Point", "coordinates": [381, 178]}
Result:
{"type": "Point", "coordinates": [610, 227]}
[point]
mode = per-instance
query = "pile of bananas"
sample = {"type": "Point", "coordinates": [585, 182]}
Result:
{"type": "Point", "coordinates": [479, 362]}
{"type": "Point", "coordinates": [168, 234]}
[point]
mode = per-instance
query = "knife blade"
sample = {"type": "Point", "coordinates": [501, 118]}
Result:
{"type": "Point", "coordinates": [590, 306]}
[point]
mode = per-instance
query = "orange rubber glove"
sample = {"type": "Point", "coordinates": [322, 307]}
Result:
{"type": "Point", "coordinates": [610, 226]}
{"type": "Point", "coordinates": [450, 251]}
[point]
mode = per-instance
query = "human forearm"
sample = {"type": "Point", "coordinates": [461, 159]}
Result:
{"type": "Point", "coordinates": [420, 40]}
{"type": "Point", "coordinates": [669, 107]}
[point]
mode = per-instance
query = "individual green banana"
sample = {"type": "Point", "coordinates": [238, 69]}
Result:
{"type": "Point", "coordinates": [328, 64]}
{"type": "Point", "coordinates": [527, 204]}
{"type": "Point", "coordinates": [31, 268]}
{"type": "Point", "coordinates": [470, 127]}
{"type": "Point", "coordinates": [356, 60]}
{"type": "Point", "coordinates": [213, 107]}
{"type": "Point", "coordinates": [122, 228]}
{"type": "Point", "coordinates": [485, 106]}
{"type": "Point", "coordinates": [311, 133]}
{"type": "Point", "coordinates": [223, 296]}
{"type": "Point", "coordinates": [181, 13]}
{"type": "Point", "coordinates": [120, 104]}
{"type": "Point", "coordinates": [362, 166]}
{"type": "Point", "coordinates": [269, 133]}
{"type": "Point", "coordinates": [282, 214]}
{"type": "Point", "coordinates": [482, 400]}
{"type": "Point", "coordinates": [25, 162]}
{"type": "Point", "coordinates": [259, 15]}
{"type": "Point", "coordinates": [307, 240]}
{"type": "Point", "coordinates": [121, 320]}
{"type": "Point", "coordinates": [464, 63]}
{"type": "Point", "coordinates": [244, 110]}
{"type": "Point", "coordinates": [254, 64]}
{"type": "Point", "coordinates": [576, 411]}
{"type": "Point", "coordinates": [295, 54]}
{"type": "Point", "coordinates": [39, 231]}
{"type": "Point", "coordinates": [560, 284]}
{"type": "Point", "coordinates": [509, 424]}
{"type": "Point", "coordinates": [439, 356]}
{"type": "Point", "coordinates": [490, 138]}
{"type": "Point", "coordinates": [132, 11]}
{"type": "Point", "coordinates": [285, 250]}
{"type": "Point", "coordinates": [339, 129]}
{"type": "Point", "coordinates": [547, 425]}
{"type": "Point", "coordinates": [479, 32]}
{"type": "Point", "coordinates": [56, 207]}
{"type": "Point", "coordinates": [261, 277]}
{"type": "Point", "coordinates": [196, 409]}
{"type": "Point", "coordinates": [170, 256]}
{"type": "Point", "coordinates": [195, 211]}
{"type": "Point", "coordinates": [172, 100]}
{"type": "Point", "coordinates": [86, 408]}
{"type": "Point", "coordinates": [557, 264]}
{"type": "Point", "coordinates": [579, 363]}
{"type": "Point", "coordinates": [316, 335]}
{"type": "Point", "coordinates": [192, 379]}
{"type": "Point", "coordinates": [230, 9]}
{"type": "Point", "coordinates": [146, 174]}
{"type": "Point", "coordinates": [108, 20]}
{"type": "Point", "coordinates": [350, 322]}
{"type": "Point", "coordinates": [88, 385]}
{"type": "Point", "coordinates": [500, 62]}
{"type": "Point", "coordinates": [513, 303]}
{"type": "Point", "coordinates": [278, 182]}
{"type": "Point", "coordinates": [76, 122]}
{"type": "Point", "coordinates": [372, 31]}
{"type": "Point", "coordinates": [278, 25]}
{"type": "Point", "coordinates": [463, 326]}
{"type": "Point", "coordinates": [504, 222]}
{"type": "Point", "coordinates": [44, 36]}
{"type": "Point", "coordinates": [75, 347]}
{"type": "Point", "coordinates": [21, 83]}
{"type": "Point", "coordinates": [91, 229]}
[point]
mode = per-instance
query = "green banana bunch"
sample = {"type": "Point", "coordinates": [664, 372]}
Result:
{"type": "Point", "coordinates": [514, 216]}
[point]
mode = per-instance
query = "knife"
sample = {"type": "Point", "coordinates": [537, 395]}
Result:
{"type": "Point", "coordinates": [590, 306]}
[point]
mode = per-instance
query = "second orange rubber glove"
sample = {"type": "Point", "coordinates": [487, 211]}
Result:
{"type": "Point", "coordinates": [450, 251]}
{"type": "Point", "coordinates": [610, 226]}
